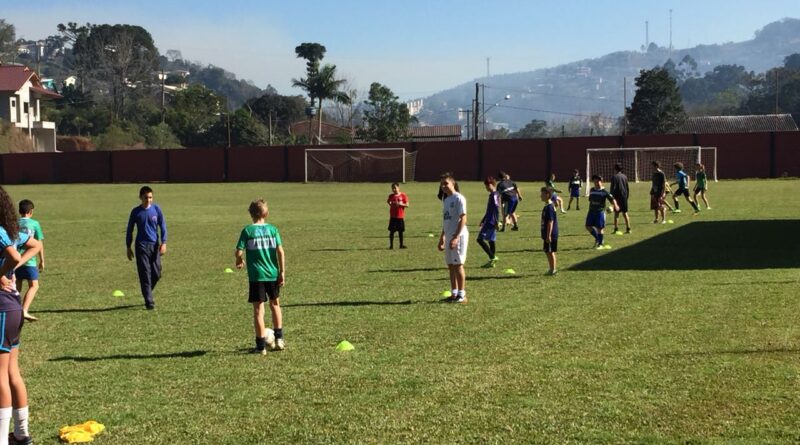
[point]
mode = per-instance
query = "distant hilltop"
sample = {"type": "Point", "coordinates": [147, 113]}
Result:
{"type": "Point", "coordinates": [595, 86]}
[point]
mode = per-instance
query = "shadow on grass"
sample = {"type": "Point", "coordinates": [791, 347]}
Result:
{"type": "Point", "coordinates": [352, 249]}
{"type": "Point", "coordinates": [474, 278]}
{"type": "Point", "coordinates": [743, 351]}
{"type": "Point", "coordinates": [350, 303]}
{"type": "Point", "coordinates": [416, 269]}
{"type": "Point", "coordinates": [101, 309]}
{"type": "Point", "coordinates": [187, 354]}
{"type": "Point", "coordinates": [712, 245]}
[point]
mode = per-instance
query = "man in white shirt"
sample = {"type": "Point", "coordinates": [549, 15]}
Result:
{"type": "Point", "coordinates": [454, 237]}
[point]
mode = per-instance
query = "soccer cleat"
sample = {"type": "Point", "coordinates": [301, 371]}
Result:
{"type": "Point", "coordinates": [29, 317]}
{"type": "Point", "coordinates": [279, 345]}
{"type": "Point", "coordinates": [12, 440]}
{"type": "Point", "coordinates": [515, 228]}
{"type": "Point", "coordinates": [628, 231]}
{"type": "Point", "coordinates": [461, 300]}
{"type": "Point", "coordinates": [403, 247]}
{"type": "Point", "coordinates": [708, 208]}
{"type": "Point", "coordinates": [606, 246]}
{"type": "Point", "coordinates": [599, 247]}
{"type": "Point", "coordinates": [563, 211]}
{"type": "Point", "coordinates": [489, 265]}
{"type": "Point", "coordinates": [696, 212]}
{"type": "Point", "coordinates": [551, 272]}
{"type": "Point", "coordinates": [676, 211]}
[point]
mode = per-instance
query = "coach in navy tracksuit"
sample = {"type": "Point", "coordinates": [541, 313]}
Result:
{"type": "Point", "coordinates": [148, 220]}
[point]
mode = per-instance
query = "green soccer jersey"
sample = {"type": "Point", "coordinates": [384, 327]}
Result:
{"type": "Point", "coordinates": [32, 228]}
{"type": "Point", "coordinates": [700, 180]}
{"type": "Point", "coordinates": [260, 243]}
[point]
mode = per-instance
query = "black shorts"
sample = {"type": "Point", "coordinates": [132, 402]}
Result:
{"type": "Point", "coordinates": [552, 246]}
{"type": "Point", "coordinates": [397, 225]}
{"type": "Point", "coordinates": [260, 290]}
{"type": "Point", "coordinates": [11, 323]}
{"type": "Point", "coordinates": [679, 192]}
{"type": "Point", "coordinates": [622, 203]}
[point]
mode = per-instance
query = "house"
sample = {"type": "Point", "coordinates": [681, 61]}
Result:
{"type": "Point", "coordinates": [21, 92]}
{"type": "Point", "coordinates": [330, 133]}
{"type": "Point", "coordinates": [433, 133]}
{"type": "Point", "coordinates": [738, 124]}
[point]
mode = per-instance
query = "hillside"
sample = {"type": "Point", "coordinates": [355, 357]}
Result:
{"type": "Point", "coordinates": [591, 86]}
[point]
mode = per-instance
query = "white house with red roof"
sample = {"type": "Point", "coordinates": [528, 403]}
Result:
{"type": "Point", "coordinates": [21, 92]}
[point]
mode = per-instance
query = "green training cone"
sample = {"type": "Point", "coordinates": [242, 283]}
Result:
{"type": "Point", "coordinates": [228, 270]}
{"type": "Point", "coordinates": [117, 293]}
{"type": "Point", "coordinates": [344, 345]}
{"type": "Point", "coordinates": [510, 271]}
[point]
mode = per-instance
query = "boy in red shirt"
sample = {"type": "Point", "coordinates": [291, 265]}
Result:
{"type": "Point", "coordinates": [398, 201]}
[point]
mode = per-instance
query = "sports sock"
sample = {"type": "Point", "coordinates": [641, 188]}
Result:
{"type": "Point", "coordinates": [677, 204]}
{"type": "Point", "coordinates": [600, 237]}
{"type": "Point", "coordinates": [400, 236]}
{"type": "Point", "coordinates": [593, 232]}
{"type": "Point", "coordinates": [454, 292]}
{"type": "Point", "coordinates": [5, 421]}
{"type": "Point", "coordinates": [21, 422]}
{"type": "Point", "coordinates": [492, 249]}
{"type": "Point", "coordinates": [278, 332]}
{"type": "Point", "coordinates": [461, 293]}
{"type": "Point", "coordinates": [694, 206]}
{"type": "Point", "coordinates": [391, 239]}
{"type": "Point", "coordinates": [261, 343]}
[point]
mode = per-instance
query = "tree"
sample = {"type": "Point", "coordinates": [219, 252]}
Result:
{"type": "Point", "coordinates": [8, 39]}
{"type": "Point", "coordinates": [323, 85]}
{"type": "Point", "coordinates": [196, 111]}
{"type": "Point", "coordinates": [534, 129]}
{"type": "Point", "coordinates": [278, 112]}
{"type": "Point", "coordinates": [385, 119]}
{"type": "Point", "coordinates": [657, 107]}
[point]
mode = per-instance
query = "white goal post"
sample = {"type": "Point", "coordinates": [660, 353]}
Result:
{"type": "Point", "coordinates": [359, 164]}
{"type": "Point", "coordinates": [637, 161]}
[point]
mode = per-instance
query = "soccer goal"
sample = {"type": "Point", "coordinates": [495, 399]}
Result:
{"type": "Point", "coordinates": [359, 165]}
{"type": "Point", "coordinates": [637, 161]}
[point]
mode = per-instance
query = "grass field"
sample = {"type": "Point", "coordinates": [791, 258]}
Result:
{"type": "Point", "coordinates": [682, 333]}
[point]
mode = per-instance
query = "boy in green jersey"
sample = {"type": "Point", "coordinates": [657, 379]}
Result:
{"type": "Point", "coordinates": [265, 269]}
{"type": "Point", "coordinates": [701, 185]}
{"type": "Point", "coordinates": [29, 272]}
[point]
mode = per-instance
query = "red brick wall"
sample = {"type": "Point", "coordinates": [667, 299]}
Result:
{"type": "Point", "coordinates": [522, 159]}
{"type": "Point", "coordinates": [139, 166]}
{"type": "Point", "coordinates": [741, 155]}
{"type": "Point", "coordinates": [787, 154]}
{"type": "Point", "coordinates": [256, 164]}
{"type": "Point", "coordinates": [197, 165]}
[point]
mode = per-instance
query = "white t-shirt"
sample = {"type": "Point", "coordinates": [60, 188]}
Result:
{"type": "Point", "coordinates": [453, 207]}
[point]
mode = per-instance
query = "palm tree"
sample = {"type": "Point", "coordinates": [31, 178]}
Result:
{"type": "Point", "coordinates": [324, 85]}
{"type": "Point", "coordinates": [313, 53]}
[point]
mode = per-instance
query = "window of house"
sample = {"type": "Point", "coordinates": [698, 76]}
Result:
{"type": "Point", "coordinates": [25, 108]}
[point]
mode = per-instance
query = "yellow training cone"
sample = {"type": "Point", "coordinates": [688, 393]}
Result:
{"type": "Point", "coordinates": [510, 271]}
{"type": "Point", "coordinates": [344, 345]}
{"type": "Point", "coordinates": [228, 270]}
{"type": "Point", "coordinates": [117, 293]}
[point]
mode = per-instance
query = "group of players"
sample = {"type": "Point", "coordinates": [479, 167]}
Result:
{"type": "Point", "coordinates": [504, 195]}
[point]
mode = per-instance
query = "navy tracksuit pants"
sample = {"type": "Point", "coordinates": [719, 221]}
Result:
{"type": "Point", "coordinates": [148, 263]}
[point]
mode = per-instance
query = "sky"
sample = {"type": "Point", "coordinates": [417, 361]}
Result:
{"type": "Point", "coordinates": [415, 47]}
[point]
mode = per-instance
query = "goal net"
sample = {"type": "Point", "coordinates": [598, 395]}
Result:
{"type": "Point", "coordinates": [359, 165]}
{"type": "Point", "coordinates": [637, 161]}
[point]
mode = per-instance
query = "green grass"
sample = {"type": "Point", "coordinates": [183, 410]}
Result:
{"type": "Point", "coordinates": [683, 333]}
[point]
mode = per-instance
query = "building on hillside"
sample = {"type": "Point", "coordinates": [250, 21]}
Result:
{"type": "Point", "coordinates": [434, 133]}
{"type": "Point", "coordinates": [331, 133]}
{"type": "Point", "coordinates": [738, 124]}
{"type": "Point", "coordinates": [415, 106]}
{"type": "Point", "coordinates": [21, 92]}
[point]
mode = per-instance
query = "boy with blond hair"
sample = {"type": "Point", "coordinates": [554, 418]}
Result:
{"type": "Point", "coordinates": [261, 248]}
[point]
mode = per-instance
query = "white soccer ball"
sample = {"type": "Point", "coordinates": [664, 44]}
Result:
{"type": "Point", "coordinates": [270, 336]}
{"type": "Point", "coordinates": [609, 209]}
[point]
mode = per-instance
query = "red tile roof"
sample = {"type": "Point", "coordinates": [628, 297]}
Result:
{"type": "Point", "coordinates": [739, 124]}
{"type": "Point", "coordinates": [436, 133]}
{"type": "Point", "coordinates": [13, 77]}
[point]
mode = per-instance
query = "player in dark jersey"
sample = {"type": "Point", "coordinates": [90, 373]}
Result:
{"type": "Point", "coordinates": [575, 190]}
{"type": "Point", "coordinates": [657, 192]}
{"type": "Point", "coordinates": [596, 216]}
{"type": "Point", "coordinates": [701, 185]}
{"type": "Point", "coordinates": [682, 181]}
{"type": "Point", "coordinates": [549, 230]}
{"type": "Point", "coordinates": [510, 197]}
{"type": "Point", "coordinates": [488, 226]}
{"type": "Point", "coordinates": [619, 189]}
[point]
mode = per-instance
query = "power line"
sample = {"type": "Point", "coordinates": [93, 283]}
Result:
{"type": "Point", "coordinates": [550, 94]}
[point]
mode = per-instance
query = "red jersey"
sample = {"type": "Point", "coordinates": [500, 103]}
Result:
{"type": "Point", "coordinates": [395, 209]}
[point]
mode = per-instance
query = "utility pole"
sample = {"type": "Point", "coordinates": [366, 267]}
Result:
{"type": "Point", "coordinates": [624, 106]}
{"type": "Point", "coordinates": [670, 34]}
{"type": "Point", "coordinates": [488, 72]}
{"type": "Point", "coordinates": [483, 111]}
{"type": "Point", "coordinates": [163, 101]}
{"type": "Point", "coordinates": [776, 99]}
{"type": "Point", "coordinates": [269, 117]}
{"type": "Point", "coordinates": [469, 123]}
{"type": "Point", "coordinates": [475, 105]}
{"type": "Point", "coordinates": [646, 35]}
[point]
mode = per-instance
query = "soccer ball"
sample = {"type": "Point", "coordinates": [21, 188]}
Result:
{"type": "Point", "coordinates": [609, 209]}
{"type": "Point", "coordinates": [270, 336]}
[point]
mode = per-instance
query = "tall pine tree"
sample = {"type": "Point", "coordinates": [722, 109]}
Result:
{"type": "Point", "coordinates": [657, 107]}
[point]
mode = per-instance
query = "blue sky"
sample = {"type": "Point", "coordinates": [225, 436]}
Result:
{"type": "Point", "coordinates": [415, 47]}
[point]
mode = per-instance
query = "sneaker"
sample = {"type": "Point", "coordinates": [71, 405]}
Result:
{"type": "Point", "coordinates": [551, 272]}
{"type": "Point", "coordinates": [563, 211]}
{"type": "Point", "coordinates": [696, 212]}
{"type": "Point", "coordinates": [628, 231]}
{"type": "Point", "coordinates": [403, 247]}
{"type": "Point", "coordinates": [279, 345]}
{"type": "Point", "coordinates": [676, 210]}
{"type": "Point", "coordinates": [655, 221]}
{"type": "Point", "coordinates": [663, 221]}
{"type": "Point", "coordinates": [449, 299]}
{"type": "Point", "coordinates": [12, 440]}
{"type": "Point", "coordinates": [29, 317]}
{"type": "Point", "coordinates": [515, 228]}
{"type": "Point", "coordinates": [606, 246]}
{"type": "Point", "coordinates": [496, 259]}
{"type": "Point", "coordinates": [577, 208]}
{"type": "Point", "coordinates": [599, 247]}
{"type": "Point", "coordinates": [258, 351]}
{"type": "Point", "coordinates": [461, 300]}
{"type": "Point", "coordinates": [489, 265]}
{"type": "Point", "coordinates": [708, 208]}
